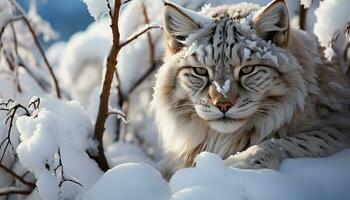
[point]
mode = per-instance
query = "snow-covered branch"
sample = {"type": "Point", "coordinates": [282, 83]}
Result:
{"type": "Point", "coordinates": [38, 45]}
{"type": "Point", "coordinates": [108, 78]}
{"type": "Point", "coordinates": [17, 177]}
{"type": "Point", "coordinates": [14, 191]}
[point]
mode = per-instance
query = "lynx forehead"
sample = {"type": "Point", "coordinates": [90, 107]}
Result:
{"type": "Point", "coordinates": [228, 43]}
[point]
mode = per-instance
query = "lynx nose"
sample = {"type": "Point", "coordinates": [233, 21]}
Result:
{"type": "Point", "coordinates": [224, 106]}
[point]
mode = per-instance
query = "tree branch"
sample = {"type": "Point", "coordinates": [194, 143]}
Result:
{"type": "Point", "coordinates": [63, 176]}
{"type": "Point", "coordinates": [302, 17]}
{"type": "Point", "coordinates": [14, 190]}
{"type": "Point", "coordinates": [106, 87]}
{"type": "Point", "coordinates": [7, 23]}
{"type": "Point", "coordinates": [138, 34]}
{"type": "Point", "coordinates": [11, 112]}
{"type": "Point", "coordinates": [40, 48]}
{"type": "Point", "coordinates": [119, 114]}
{"type": "Point", "coordinates": [108, 78]}
{"type": "Point", "coordinates": [19, 178]}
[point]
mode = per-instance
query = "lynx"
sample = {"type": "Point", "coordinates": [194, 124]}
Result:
{"type": "Point", "coordinates": [239, 82]}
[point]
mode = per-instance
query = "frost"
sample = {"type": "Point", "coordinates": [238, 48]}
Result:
{"type": "Point", "coordinates": [270, 56]}
{"type": "Point", "coordinates": [246, 54]}
{"type": "Point", "coordinates": [251, 43]}
{"type": "Point", "coordinates": [224, 88]}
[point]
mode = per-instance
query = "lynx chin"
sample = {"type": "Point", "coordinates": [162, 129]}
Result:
{"type": "Point", "coordinates": [238, 81]}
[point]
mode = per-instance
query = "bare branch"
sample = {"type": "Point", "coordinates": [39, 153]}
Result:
{"type": "Point", "coordinates": [63, 177]}
{"type": "Point", "coordinates": [43, 84]}
{"type": "Point", "coordinates": [153, 63]}
{"type": "Point", "coordinates": [35, 104]}
{"type": "Point", "coordinates": [19, 178]}
{"type": "Point", "coordinates": [40, 48]}
{"type": "Point", "coordinates": [138, 34]}
{"type": "Point", "coordinates": [119, 114]}
{"type": "Point", "coordinates": [106, 88]}
{"type": "Point", "coordinates": [108, 78]}
{"type": "Point", "coordinates": [11, 112]}
{"type": "Point", "coordinates": [7, 23]}
{"type": "Point", "coordinates": [109, 9]}
{"type": "Point", "coordinates": [302, 17]}
{"type": "Point", "coordinates": [126, 1]}
{"type": "Point", "coordinates": [14, 190]}
{"type": "Point", "coordinates": [14, 69]}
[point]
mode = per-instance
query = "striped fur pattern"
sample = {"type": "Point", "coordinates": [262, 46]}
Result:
{"type": "Point", "coordinates": [239, 82]}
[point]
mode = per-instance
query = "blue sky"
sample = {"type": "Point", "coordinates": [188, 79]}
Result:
{"type": "Point", "coordinates": [65, 16]}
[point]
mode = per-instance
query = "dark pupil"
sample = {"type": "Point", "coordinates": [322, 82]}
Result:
{"type": "Point", "coordinates": [200, 71]}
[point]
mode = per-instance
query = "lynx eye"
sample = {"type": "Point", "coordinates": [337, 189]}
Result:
{"type": "Point", "coordinates": [200, 71]}
{"type": "Point", "coordinates": [247, 70]}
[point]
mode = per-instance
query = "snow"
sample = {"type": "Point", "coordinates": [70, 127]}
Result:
{"type": "Point", "coordinates": [41, 26]}
{"type": "Point", "coordinates": [130, 181]}
{"type": "Point", "coordinates": [81, 59]}
{"type": "Point", "coordinates": [62, 130]}
{"type": "Point", "coordinates": [5, 13]}
{"type": "Point", "coordinates": [98, 8]}
{"type": "Point", "coordinates": [120, 153]}
{"type": "Point", "coordinates": [223, 89]}
{"type": "Point", "coordinates": [332, 18]}
{"type": "Point", "coordinates": [317, 179]}
{"type": "Point", "coordinates": [44, 134]}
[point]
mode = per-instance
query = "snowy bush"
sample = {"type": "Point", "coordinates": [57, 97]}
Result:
{"type": "Point", "coordinates": [50, 106]}
{"type": "Point", "coordinates": [332, 26]}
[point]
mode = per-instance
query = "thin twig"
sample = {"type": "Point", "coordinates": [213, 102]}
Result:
{"type": "Point", "coordinates": [302, 17]}
{"type": "Point", "coordinates": [126, 1]}
{"type": "Point", "coordinates": [149, 37]}
{"type": "Point", "coordinates": [63, 177]}
{"type": "Point", "coordinates": [40, 48]}
{"type": "Point", "coordinates": [119, 114]}
{"type": "Point", "coordinates": [14, 191]}
{"type": "Point", "coordinates": [11, 112]}
{"type": "Point", "coordinates": [43, 84]}
{"type": "Point", "coordinates": [7, 23]}
{"type": "Point", "coordinates": [109, 9]}
{"type": "Point", "coordinates": [14, 69]}
{"type": "Point", "coordinates": [138, 34]}
{"type": "Point", "coordinates": [19, 178]}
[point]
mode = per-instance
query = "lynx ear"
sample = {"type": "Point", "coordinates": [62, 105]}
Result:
{"type": "Point", "coordinates": [272, 22]}
{"type": "Point", "coordinates": [179, 23]}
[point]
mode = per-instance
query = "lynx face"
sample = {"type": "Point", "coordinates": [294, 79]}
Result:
{"type": "Point", "coordinates": [231, 69]}
{"type": "Point", "coordinates": [230, 75]}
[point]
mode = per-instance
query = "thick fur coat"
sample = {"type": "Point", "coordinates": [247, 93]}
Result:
{"type": "Point", "coordinates": [239, 82]}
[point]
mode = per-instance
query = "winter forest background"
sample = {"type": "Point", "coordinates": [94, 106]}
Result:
{"type": "Point", "coordinates": [53, 106]}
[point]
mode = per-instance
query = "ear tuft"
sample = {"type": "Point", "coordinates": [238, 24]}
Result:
{"type": "Point", "coordinates": [179, 23]}
{"type": "Point", "coordinates": [272, 22]}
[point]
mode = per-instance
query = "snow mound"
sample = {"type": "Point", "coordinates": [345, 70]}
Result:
{"type": "Point", "coordinates": [317, 179]}
{"type": "Point", "coordinates": [130, 181]}
{"type": "Point", "coordinates": [58, 132]}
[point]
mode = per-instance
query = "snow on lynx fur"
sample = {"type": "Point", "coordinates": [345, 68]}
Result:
{"type": "Point", "coordinates": [238, 81]}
